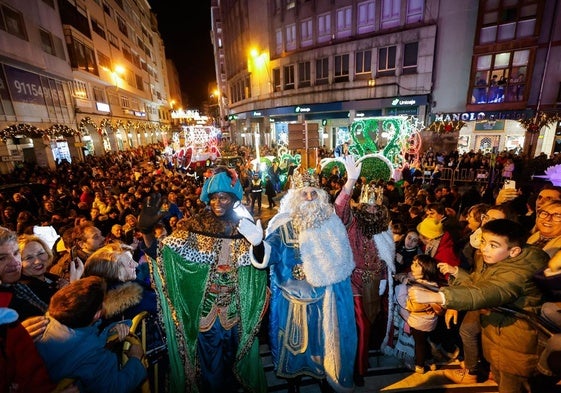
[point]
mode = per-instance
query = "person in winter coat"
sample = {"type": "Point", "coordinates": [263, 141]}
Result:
{"type": "Point", "coordinates": [73, 347]}
{"type": "Point", "coordinates": [509, 344]}
{"type": "Point", "coordinates": [125, 297]}
{"type": "Point", "coordinates": [270, 191]}
{"type": "Point", "coordinates": [21, 367]}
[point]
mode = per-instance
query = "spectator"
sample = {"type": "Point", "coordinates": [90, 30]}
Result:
{"type": "Point", "coordinates": [21, 367]}
{"type": "Point", "coordinates": [86, 239]}
{"type": "Point", "coordinates": [406, 250]}
{"type": "Point", "coordinates": [509, 345]}
{"type": "Point", "coordinates": [73, 347]}
{"type": "Point", "coordinates": [421, 318]}
{"type": "Point", "coordinates": [270, 191]}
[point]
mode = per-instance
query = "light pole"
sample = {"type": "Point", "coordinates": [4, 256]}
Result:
{"type": "Point", "coordinates": [257, 155]}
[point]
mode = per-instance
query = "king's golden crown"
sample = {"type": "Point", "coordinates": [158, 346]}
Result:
{"type": "Point", "coordinates": [306, 179]}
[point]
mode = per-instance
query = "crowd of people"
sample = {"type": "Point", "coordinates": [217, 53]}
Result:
{"type": "Point", "coordinates": [417, 269]}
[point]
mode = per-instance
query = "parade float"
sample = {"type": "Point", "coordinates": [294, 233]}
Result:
{"type": "Point", "coordinates": [382, 145]}
{"type": "Point", "coordinates": [196, 146]}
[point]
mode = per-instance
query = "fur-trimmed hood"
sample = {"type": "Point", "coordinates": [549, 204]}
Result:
{"type": "Point", "coordinates": [122, 297]}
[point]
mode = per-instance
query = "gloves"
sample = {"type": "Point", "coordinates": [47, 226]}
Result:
{"type": "Point", "coordinates": [253, 232]}
{"type": "Point", "coordinates": [353, 170]}
{"type": "Point", "coordinates": [150, 213]}
{"type": "Point", "coordinates": [383, 286]}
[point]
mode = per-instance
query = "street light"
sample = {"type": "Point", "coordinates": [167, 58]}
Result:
{"type": "Point", "coordinates": [116, 75]}
{"type": "Point", "coordinates": [258, 64]}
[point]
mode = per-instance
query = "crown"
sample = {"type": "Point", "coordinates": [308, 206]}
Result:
{"type": "Point", "coordinates": [306, 179]}
{"type": "Point", "coordinates": [371, 195]}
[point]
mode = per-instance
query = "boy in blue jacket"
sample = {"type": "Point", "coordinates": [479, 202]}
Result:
{"type": "Point", "coordinates": [72, 345]}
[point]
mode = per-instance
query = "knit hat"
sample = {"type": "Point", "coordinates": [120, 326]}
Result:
{"type": "Point", "coordinates": [221, 182]}
{"type": "Point", "coordinates": [430, 228]}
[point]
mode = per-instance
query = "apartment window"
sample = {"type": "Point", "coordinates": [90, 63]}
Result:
{"type": "Point", "coordinates": [59, 47]}
{"type": "Point", "coordinates": [103, 61]}
{"type": "Point", "coordinates": [291, 37]}
{"type": "Point", "coordinates": [415, 10]}
{"type": "Point", "coordinates": [344, 22]}
{"type": "Point", "coordinates": [505, 20]}
{"type": "Point", "coordinates": [365, 17]}
{"type": "Point", "coordinates": [322, 71]}
{"type": "Point", "coordinates": [278, 40]}
{"type": "Point", "coordinates": [12, 22]}
{"type": "Point", "coordinates": [99, 95]}
{"type": "Point", "coordinates": [500, 77]}
{"type": "Point", "coordinates": [82, 56]}
{"type": "Point", "coordinates": [47, 42]}
{"type": "Point", "coordinates": [410, 52]}
{"type": "Point", "coordinates": [140, 43]}
{"type": "Point", "coordinates": [79, 89]}
{"type": "Point", "coordinates": [306, 32]}
{"type": "Point", "coordinates": [126, 51]}
{"type": "Point", "coordinates": [136, 59]}
{"type": "Point", "coordinates": [386, 61]}
{"type": "Point", "coordinates": [290, 4]}
{"type": "Point", "coordinates": [276, 79]}
{"type": "Point", "coordinates": [304, 74]}
{"type": "Point", "coordinates": [108, 10]}
{"type": "Point", "coordinates": [98, 28]}
{"type": "Point", "coordinates": [324, 27]}
{"type": "Point", "coordinates": [341, 73]}
{"type": "Point", "coordinates": [363, 63]}
{"type": "Point", "coordinates": [125, 102]}
{"type": "Point", "coordinates": [122, 26]}
{"type": "Point", "coordinates": [391, 10]}
{"type": "Point", "coordinates": [139, 82]}
{"type": "Point", "coordinates": [113, 40]}
{"type": "Point", "coordinates": [288, 77]}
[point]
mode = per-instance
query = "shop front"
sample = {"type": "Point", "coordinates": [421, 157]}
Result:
{"type": "Point", "coordinates": [488, 132]}
{"type": "Point", "coordinates": [333, 119]}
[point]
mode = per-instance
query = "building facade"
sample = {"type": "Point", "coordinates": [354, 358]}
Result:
{"type": "Point", "coordinates": [79, 77]}
{"type": "Point", "coordinates": [469, 69]}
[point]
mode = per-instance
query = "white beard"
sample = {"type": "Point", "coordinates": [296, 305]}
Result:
{"type": "Point", "coordinates": [326, 253]}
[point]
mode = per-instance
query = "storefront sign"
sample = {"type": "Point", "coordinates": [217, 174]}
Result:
{"type": "Point", "coordinates": [102, 107]}
{"type": "Point", "coordinates": [490, 126]}
{"type": "Point", "coordinates": [302, 109]}
{"type": "Point", "coordinates": [478, 116]}
{"type": "Point", "coordinates": [24, 86]}
{"type": "Point", "coordinates": [404, 102]}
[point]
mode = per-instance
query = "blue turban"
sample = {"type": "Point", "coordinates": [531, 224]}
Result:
{"type": "Point", "coordinates": [221, 182]}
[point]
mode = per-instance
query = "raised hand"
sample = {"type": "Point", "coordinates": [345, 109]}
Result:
{"type": "Point", "coordinates": [352, 169]}
{"type": "Point", "coordinates": [253, 232]}
{"type": "Point", "coordinates": [150, 213]}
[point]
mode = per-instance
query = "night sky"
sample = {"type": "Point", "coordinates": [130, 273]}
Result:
{"type": "Point", "coordinates": [185, 29]}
